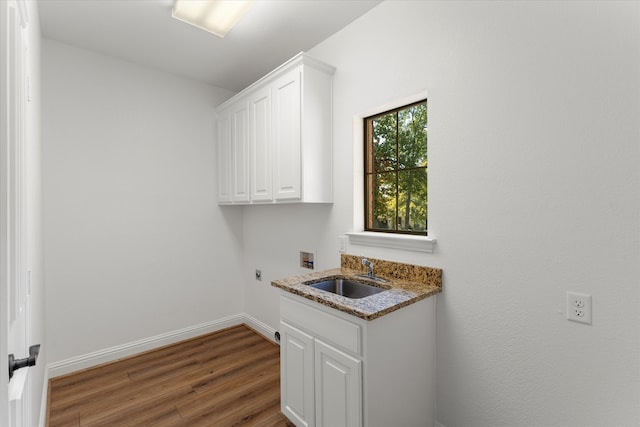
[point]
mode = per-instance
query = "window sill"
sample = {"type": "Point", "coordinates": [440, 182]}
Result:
{"type": "Point", "coordinates": [394, 241]}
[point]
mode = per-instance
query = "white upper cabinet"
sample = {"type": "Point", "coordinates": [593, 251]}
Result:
{"type": "Point", "coordinates": [279, 148]}
{"type": "Point", "coordinates": [240, 153]}
{"type": "Point", "coordinates": [224, 159]}
{"type": "Point", "coordinates": [287, 136]}
{"type": "Point", "coordinates": [260, 145]}
{"type": "Point", "coordinates": [233, 153]}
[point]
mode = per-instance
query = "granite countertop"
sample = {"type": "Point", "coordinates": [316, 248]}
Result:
{"type": "Point", "coordinates": [399, 292]}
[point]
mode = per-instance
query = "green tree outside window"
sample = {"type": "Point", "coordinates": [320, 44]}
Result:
{"type": "Point", "coordinates": [396, 170]}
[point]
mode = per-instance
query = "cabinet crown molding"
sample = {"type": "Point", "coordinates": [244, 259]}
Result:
{"type": "Point", "coordinates": [275, 138]}
{"type": "Point", "coordinates": [301, 58]}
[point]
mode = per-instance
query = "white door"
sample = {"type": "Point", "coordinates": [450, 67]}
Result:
{"type": "Point", "coordinates": [224, 159]}
{"type": "Point", "coordinates": [338, 384]}
{"type": "Point", "coordinates": [13, 274]}
{"type": "Point", "coordinates": [296, 370]}
{"type": "Point", "coordinates": [260, 145]}
{"type": "Point", "coordinates": [240, 152]}
{"type": "Point", "coordinates": [287, 114]}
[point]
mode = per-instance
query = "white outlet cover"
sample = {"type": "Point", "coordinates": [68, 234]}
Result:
{"type": "Point", "coordinates": [579, 307]}
{"type": "Point", "coordinates": [342, 244]}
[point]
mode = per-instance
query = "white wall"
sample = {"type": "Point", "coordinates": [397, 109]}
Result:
{"type": "Point", "coordinates": [534, 183]}
{"type": "Point", "coordinates": [135, 244]}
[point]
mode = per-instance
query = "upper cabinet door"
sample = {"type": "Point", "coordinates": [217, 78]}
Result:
{"type": "Point", "coordinates": [240, 150]}
{"type": "Point", "coordinates": [287, 136]}
{"type": "Point", "coordinates": [224, 159]}
{"type": "Point", "coordinates": [260, 145]}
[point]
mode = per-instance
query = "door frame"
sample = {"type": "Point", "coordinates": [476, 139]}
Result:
{"type": "Point", "coordinates": [4, 286]}
{"type": "Point", "coordinates": [13, 199]}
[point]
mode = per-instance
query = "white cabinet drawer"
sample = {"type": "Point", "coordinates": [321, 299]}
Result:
{"type": "Point", "coordinates": [322, 325]}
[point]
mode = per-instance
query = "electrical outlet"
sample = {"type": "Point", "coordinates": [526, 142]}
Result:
{"type": "Point", "coordinates": [579, 307]}
{"type": "Point", "coordinates": [258, 275]}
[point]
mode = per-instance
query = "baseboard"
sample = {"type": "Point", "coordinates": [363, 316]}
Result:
{"type": "Point", "coordinates": [260, 327]}
{"type": "Point", "coordinates": [439, 424]}
{"type": "Point", "coordinates": [114, 353]}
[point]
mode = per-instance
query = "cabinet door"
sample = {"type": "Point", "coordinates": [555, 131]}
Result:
{"type": "Point", "coordinates": [260, 145]}
{"type": "Point", "coordinates": [296, 376]}
{"type": "Point", "coordinates": [286, 136]}
{"type": "Point", "coordinates": [240, 153]}
{"type": "Point", "coordinates": [224, 159]}
{"type": "Point", "coordinates": [338, 387]}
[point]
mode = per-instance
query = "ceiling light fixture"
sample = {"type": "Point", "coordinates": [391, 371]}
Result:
{"type": "Point", "coordinates": [214, 16]}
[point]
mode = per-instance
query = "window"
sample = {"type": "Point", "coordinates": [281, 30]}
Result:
{"type": "Point", "coordinates": [395, 172]}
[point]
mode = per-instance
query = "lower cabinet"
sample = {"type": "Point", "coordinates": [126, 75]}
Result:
{"type": "Point", "coordinates": [340, 370]}
{"type": "Point", "coordinates": [338, 387]}
{"type": "Point", "coordinates": [296, 375]}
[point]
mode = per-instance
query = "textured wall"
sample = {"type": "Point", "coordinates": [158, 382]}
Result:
{"type": "Point", "coordinates": [534, 183]}
{"type": "Point", "coordinates": [135, 243]}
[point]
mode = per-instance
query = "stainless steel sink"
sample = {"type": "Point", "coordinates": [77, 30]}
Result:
{"type": "Point", "coordinates": [347, 288]}
{"type": "Point", "coordinates": [374, 278]}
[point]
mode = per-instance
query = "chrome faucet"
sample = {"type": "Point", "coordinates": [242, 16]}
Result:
{"type": "Point", "coordinates": [369, 266]}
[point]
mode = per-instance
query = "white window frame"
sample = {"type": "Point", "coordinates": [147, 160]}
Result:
{"type": "Point", "coordinates": [367, 238]}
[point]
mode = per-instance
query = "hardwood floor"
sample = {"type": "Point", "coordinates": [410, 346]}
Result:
{"type": "Point", "coordinates": [227, 378]}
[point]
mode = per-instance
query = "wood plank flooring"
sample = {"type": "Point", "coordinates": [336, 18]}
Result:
{"type": "Point", "coordinates": [227, 378]}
